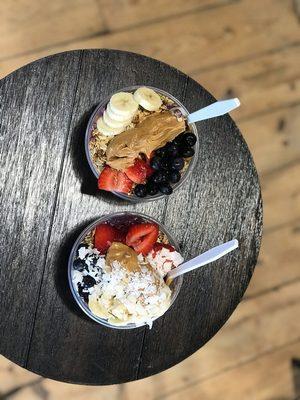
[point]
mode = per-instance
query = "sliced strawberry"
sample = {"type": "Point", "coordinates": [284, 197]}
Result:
{"type": "Point", "coordinates": [124, 184]}
{"type": "Point", "coordinates": [111, 180]}
{"type": "Point", "coordinates": [120, 237]}
{"type": "Point", "coordinates": [104, 236]}
{"type": "Point", "coordinates": [142, 237]}
{"type": "Point", "coordinates": [149, 170]}
{"type": "Point", "coordinates": [139, 171]}
{"type": "Point", "coordinates": [158, 246]}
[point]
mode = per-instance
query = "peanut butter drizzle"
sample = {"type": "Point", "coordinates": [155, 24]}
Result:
{"type": "Point", "coordinates": [150, 134]}
{"type": "Point", "coordinates": [124, 255]}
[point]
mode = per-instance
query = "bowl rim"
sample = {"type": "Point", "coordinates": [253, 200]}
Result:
{"type": "Point", "coordinates": [132, 198]}
{"type": "Point", "coordinates": [105, 218]}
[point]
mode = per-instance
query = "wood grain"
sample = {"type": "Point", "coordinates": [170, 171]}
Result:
{"type": "Point", "coordinates": [47, 24]}
{"type": "Point", "coordinates": [140, 12]}
{"type": "Point", "coordinates": [31, 25]}
{"type": "Point", "coordinates": [274, 140]}
{"type": "Point", "coordinates": [224, 179]}
{"type": "Point", "coordinates": [262, 83]}
{"type": "Point", "coordinates": [248, 335]}
{"type": "Point", "coordinates": [65, 345]}
{"type": "Point", "coordinates": [278, 261]}
{"type": "Point", "coordinates": [29, 177]}
{"type": "Point", "coordinates": [230, 40]}
{"type": "Point", "coordinates": [266, 378]}
{"type": "Point", "coordinates": [78, 202]}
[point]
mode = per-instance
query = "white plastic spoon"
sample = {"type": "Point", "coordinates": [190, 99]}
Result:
{"type": "Point", "coordinates": [214, 110]}
{"type": "Point", "coordinates": [205, 258]}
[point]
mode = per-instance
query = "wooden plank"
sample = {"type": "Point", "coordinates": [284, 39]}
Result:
{"type": "Point", "coordinates": [46, 24]}
{"type": "Point", "coordinates": [221, 201]}
{"type": "Point", "coordinates": [29, 174]}
{"type": "Point", "coordinates": [278, 260]}
{"type": "Point", "coordinates": [122, 14]}
{"type": "Point", "coordinates": [258, 327]}
{"type": "Point", "coordinates": [115, 357]}
{"type": "Point", "coordinates": [29, 26]}
{"type": "Point", "coordinates": [13, 376]}
{"type": "Point", "coordinates": [273, 140]}
{"type": "Point", "coordinates": [269, 377]}
{"type": "Point", "coordinates": [281, 197]}
{"type": "Point", "coordinates": [194, 43]}
{"type": "Point", "coordinates": [262, 83]}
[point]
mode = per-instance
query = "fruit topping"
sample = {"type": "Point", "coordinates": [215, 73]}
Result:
{"type": "Point", "coordinates": [113, 180]}
{"type": "Point", "coordinates": [152, 188]}
{"type": "Point", "coordinates": [139, 171]}
{"type": "Point", "coordinates": [88, 281]}
{"type": "Point", "coordinates": [104, 236]}
{"type": "Point", "coordinates": [140, 190]}
{"type": "Point", "coordinates": [107, 130]}
{"type": "Point", "coordinates": [123, 103]}
{"type": "Point", "coordinates": [187, 151]}
{"type": "Point", "coordinates": [159, 246]}
{"type": "Point", "coordinates": [142, 237]}
{"type": "Point", "coordinates": [147, 98]}
{"type": "Point", "coordinates": [165, 188]}
{"type": "Point", "coordinates": [177, 163]}
{"type": "Point", "coordinates": [189, 139]}
{"type": "Point", "coordinates": [174, 176]}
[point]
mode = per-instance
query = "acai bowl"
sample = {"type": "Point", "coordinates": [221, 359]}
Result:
{"type": "Point", "coordinates": [139, 144]}
{"type": "Point", "coordinates": [117, 270]}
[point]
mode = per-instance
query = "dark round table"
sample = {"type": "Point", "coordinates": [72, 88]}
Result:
{"type": "Point", "coordinates": [48, 195]}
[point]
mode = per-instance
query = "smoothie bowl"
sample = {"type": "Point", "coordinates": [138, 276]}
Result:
{"type": "Point", "coordinates": [139, 145]}
{"type": "Point", "coordinates": [117, 268]}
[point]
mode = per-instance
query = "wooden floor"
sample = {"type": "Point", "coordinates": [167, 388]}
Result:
{"type": "Point", "coordinates": [244, 48]}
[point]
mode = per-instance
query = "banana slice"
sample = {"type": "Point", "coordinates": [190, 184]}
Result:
{"type": "Point", "coordinates": [97, 308]}
{"type": "Point", "coordinates": [124, 104]}
{"type": "Point", "coordinates": [107, 130]}
{"type": "Point", "coordinates": [116, 117]}
{"type": "Point", "coordinates": [112, 123]}
{"type": "Point", "coordinates": [147, 98]}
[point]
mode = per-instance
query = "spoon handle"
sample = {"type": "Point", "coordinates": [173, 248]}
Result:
{"type": "Point", "coordinates": [205, 258]}
{"type": "Point", "coordinates": [214, 110]}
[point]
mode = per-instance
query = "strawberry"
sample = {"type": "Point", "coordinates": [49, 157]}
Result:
{"type": "Point", "coordinates": [149, 170]}
{"type": "Point", "coordinates": [158, 246]}
{"type": "Point", "coordinates": [120, 237]}
{"type": "Point", "coordinates": [139, 171]}
{"type": "Point", "coordinates": [104, 236]}
{"type": "Point", "coordinates": [142, 237]}
{"type": "Point", "coordinates": [111, 180]}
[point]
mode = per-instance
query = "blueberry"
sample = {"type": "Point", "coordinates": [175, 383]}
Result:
{"type": "Point", "coordinates": [160, 177]}
{"type": "Point", "coordinates": [174, 176]}
{"type": "Point", "coordinates": [156, 162]}
{"type": "Point", "coordinates": [187, 151]}
{"type": "Point", "coordinates": [79, 264]}
{"type": "Point", "coordinates": [165, 188]}
{"type": "Point", "coordinates": [172, 150]}
{"type": "Point", "coordinates": [178, 139]}
{"type": "Point", "coordinates": [164, 163]}
{"type": "Point", "coordinates": [152, 188]}
{"type": "Point", "coordinates": [161, 152]}
{"type": "Point", "coordinates": [140, 190]}
{"type": "Point", "coordinates": [189, 139]}
{"type": "Point", "coordinates": [177, 163]}
{"type": "Point", "coordinates": [88, 281]}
